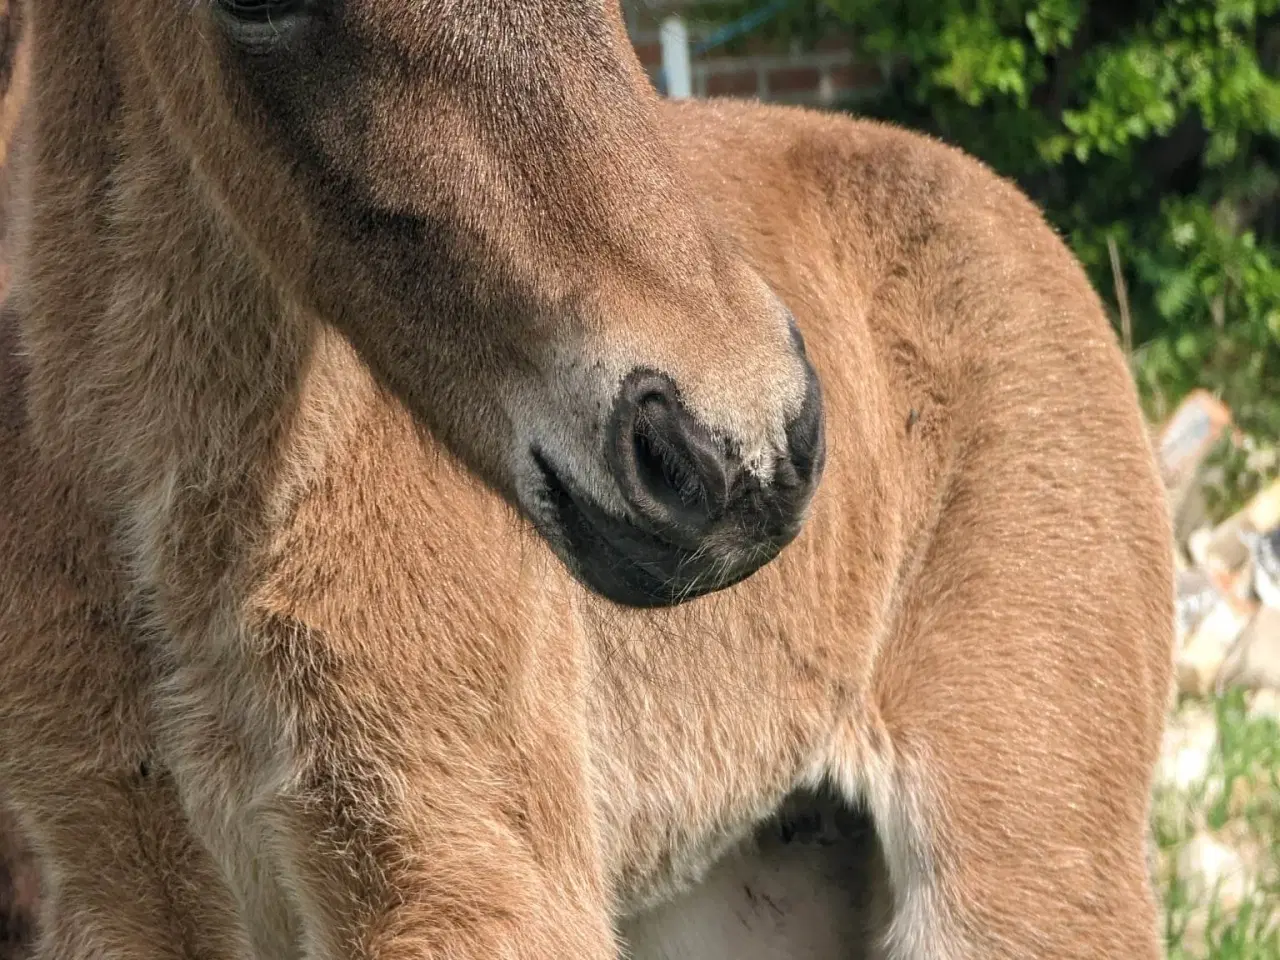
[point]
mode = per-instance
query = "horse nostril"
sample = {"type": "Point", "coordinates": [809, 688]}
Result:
{"type": "Point", "coordinates": [806, 436]}
{"type": "Point", "coordinates": [670, 469]}
{"type": "Point", "coordinates": [670, 460]}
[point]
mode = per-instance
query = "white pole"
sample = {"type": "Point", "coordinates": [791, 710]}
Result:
{"type": "Point", "coordinates": [676, 63]}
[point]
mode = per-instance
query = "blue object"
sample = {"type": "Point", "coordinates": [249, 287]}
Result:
{"type": "Point", "coordinates": [743, 25]}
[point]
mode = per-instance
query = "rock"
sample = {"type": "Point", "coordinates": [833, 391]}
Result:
{"type": "Point", "coordinates": [1212, 871]}
{"type": "Point", "coordinates": [1226, 554]}
{"type": "Point", "coordinates": [1222, 550]}
{"type": "Point", "coordinates": [1265, 706]}
{"type": "Point", "coordinates": [1183, 444]}
{"type": "Point", "coordinates": [1266, 567]}
{"type": "Point", "coordinates": [1264, 508]}
{"type": "Point", "coordinates": [1185, 439]}
{"type": "Point", "coordinates": [1200, 659]}
{"type": "Point", "coordinates": [1196, 596]}
{"type": "Point", "coordinates": [1253, 661]}
{"type": "Point", "coordinates": [1186, 756]}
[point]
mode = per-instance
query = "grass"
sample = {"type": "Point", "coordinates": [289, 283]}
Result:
{"type": "Point", "coordinates": [1238, 803]}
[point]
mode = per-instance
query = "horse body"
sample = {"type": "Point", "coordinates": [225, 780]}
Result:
{"type": "Point", "coordinates": [283, 679]}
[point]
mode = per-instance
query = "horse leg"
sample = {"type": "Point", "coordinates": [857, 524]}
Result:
{"type": "Point", "coordinates": [1018, 720]}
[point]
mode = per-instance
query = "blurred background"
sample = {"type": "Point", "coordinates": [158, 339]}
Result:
{"type": "Point", "coordinates": [1149, 132]}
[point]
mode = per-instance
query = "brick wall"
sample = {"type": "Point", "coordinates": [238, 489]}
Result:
{"type": "Point", "coordinates": [821, 74]}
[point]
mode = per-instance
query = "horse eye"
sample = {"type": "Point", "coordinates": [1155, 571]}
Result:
{"type": "Point", "coordinates": [263, 11]}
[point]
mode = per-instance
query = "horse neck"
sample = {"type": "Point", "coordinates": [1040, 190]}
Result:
{"type": "Point", "coordinates": [164, 366]}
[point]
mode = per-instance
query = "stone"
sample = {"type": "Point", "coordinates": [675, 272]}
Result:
{"type": "Point", "coordinates": [1266, 567]}
{"type": "Point", "coordinates": [1186, 756]}
{"type": "Point", "coordinates": [1253, 661]}
{"type": "Point", "coordinates": [1199, 660]}
{"type": "Point", "coordinates": [1265, 705]}
{"type": "Point", "coordinates": [1210, 870]}
{"type": "Point", "coordinates": [1188, 436]}
{"type": "Point", "coordinates": [1222, 550]}
{"type": "Point", "coordinates": [1196, 595]}
{"type": "Point", "coordinates": [1264, 508]}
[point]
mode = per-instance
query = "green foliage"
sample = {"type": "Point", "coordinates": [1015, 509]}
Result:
{"type": "Point", "coordinates": [1151, 127]}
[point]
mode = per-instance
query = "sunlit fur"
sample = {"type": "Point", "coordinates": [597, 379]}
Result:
{"type": "Point", "coordinates": [277, 669]}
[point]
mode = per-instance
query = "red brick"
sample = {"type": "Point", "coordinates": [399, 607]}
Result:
{"type": "Point", "coordinates": [733, 83]}
{"type": "Point", "coordinates": [856, 76]}
{"type": "Point", "coordinates": [794, 79]}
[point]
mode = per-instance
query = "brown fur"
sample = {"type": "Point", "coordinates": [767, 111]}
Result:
{"type": "Point", "coordinates": [19, 893]}
{"type": "Point", "coordinates": [279, 671]}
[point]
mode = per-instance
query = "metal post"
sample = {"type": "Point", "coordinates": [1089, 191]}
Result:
{"type": "Point", "coordinates": [677, 66]}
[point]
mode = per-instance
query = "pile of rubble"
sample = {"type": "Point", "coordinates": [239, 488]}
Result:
{"type": "Point", "coordinates": [1228, 638]}
{"type": "Point", "coordinates": [1228, 574]}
